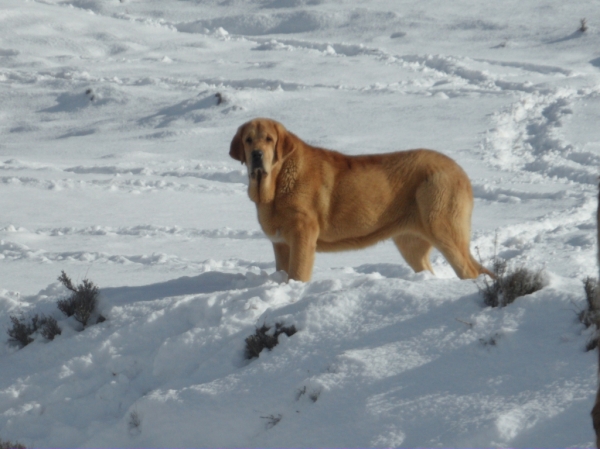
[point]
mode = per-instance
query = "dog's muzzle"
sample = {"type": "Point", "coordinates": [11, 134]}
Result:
{"type": "Point", "coordinates": [256, 158]}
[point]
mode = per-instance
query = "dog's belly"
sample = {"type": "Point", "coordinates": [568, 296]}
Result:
{"type": "Point", "coordinates": [350, 242]}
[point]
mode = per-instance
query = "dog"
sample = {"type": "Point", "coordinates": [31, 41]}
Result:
{"type": "Point", "coordinates": [311, 199]}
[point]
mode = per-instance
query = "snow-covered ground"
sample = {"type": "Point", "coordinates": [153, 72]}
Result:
{"type": "Point", "coordinates": [114, 166]}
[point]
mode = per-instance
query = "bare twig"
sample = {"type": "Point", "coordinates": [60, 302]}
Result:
{"type": "Point", "coordinates": [464, 322]}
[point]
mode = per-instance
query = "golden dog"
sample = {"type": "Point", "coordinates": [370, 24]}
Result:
{"type": "Point", "coordinates": [311, 199]}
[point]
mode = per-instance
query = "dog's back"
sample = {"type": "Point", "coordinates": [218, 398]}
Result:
{"type": "Point", "coordinates": [382, 190]}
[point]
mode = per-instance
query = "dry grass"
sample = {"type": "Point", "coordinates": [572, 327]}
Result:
{"type": "Point", "coordinates": [272, 420]}
{"type": "Point", "coordinates": [134, 424]}
{"type": "Point", "coordinates": [510, 284]}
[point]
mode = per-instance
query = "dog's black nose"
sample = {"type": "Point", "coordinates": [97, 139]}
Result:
{"type": "Point", "coordinates": [257, 156]}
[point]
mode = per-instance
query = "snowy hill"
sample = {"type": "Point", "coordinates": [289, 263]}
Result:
{"type": "Point", "coordinates": [116, 119]}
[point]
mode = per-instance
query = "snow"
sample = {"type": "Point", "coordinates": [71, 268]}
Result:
{"type": "Point", "coordinates": [116, 118]}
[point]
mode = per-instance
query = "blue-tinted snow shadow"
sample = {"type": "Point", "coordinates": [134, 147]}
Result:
{"type": "Point", "coordinates": [260, 25]}
{"type": "Point", "coordinates": [387, 270]}
{"type": "Point", "coordinates": [575, 35]}
{"type": "Point", "coordinates": [79, 133]}
{"type": "Point", "coordinates": [291, 3]}
{"type": "Point", "coordinates": [595, 62]}
{"type": "Point", "coordinates": [187, 108]}
{"type": "Point", "coordinates": [212, 281]}
{"type": "Point", "coordinates": [69, 102]}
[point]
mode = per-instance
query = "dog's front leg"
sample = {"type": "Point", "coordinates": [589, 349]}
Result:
{"type": "Point", "coordinates": [282, 256]}
{"type": "Point", "coordinates": [303, 245]}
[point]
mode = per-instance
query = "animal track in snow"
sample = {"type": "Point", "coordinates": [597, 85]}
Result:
{"type": "Point", "coordinates": [152, 231]}
{"type": "Point", "coordinates": [123, 177]}
{"type": "Point", "coordinates": [221, 175]}
{"type": "Point", "coordinates": [116, 184]}
{"type": "Point", "coordinates": [12, 251]}
{"type": "Point", "coordinates": [527, 135]}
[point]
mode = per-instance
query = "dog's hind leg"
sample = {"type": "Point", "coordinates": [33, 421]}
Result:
{"type": "Point", "coordinates": [415, 251]}
{"type": "Point", "coordinates": [445, 206]}
{"type": "Point", "coordinates": [452, 239]}
{"type": "Point", "coordinates": [460, 259]}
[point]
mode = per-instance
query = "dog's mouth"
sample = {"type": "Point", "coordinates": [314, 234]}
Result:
{"type": "Point", "coordinates": [256, 162]}
{"type": "Point", "coordinates": [258, 173]}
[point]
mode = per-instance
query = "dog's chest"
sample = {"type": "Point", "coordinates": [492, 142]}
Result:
{"type": "Point", "coordinates": [276, 237]}
{"type": "Point", "coordinates": [269, 225]}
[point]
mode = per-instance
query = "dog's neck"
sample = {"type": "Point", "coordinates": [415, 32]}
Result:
{"type": "Point", "coordinates": [287, 176]}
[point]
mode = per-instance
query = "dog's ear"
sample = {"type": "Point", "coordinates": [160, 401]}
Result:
{"type": "Point", "coordinates": [236, 149]}
{"type": "Point", "coordinates": [286, 142]}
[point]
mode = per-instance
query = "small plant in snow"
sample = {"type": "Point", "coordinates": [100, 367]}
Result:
{"type": "Point", "coordinates": [583, 26]}
{"type": "Point", "coordinates": [490, 341]}
{"type": "Point", "coordinates": [134, 423]}
{"type": "Point", "coordinates": [90, 94]}
{"type": "Point", "coordinates": [272, 420]}
{"type": "Point", "coordinates": [591, 315]}
{"type": "Point", "coordinates": [20, 332]}
{"type": "Point", "coordinates": [508, 284]}
{"type": "Point", "coordinates": [82, 302]}
{"type": "Point", "coordinates": [23, 329]}
{"type": "Point", "coordinates": [313, 395]}
{"type": "Point", "coordinates": [50, 329]}
{"type": "Point", "coordinates": [300, 392]}
{"type": "Point", "coordinates": [266, 337]}
{"type": "Point", "coordinates": [10, 445]}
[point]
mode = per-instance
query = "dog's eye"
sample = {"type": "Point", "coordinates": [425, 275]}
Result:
{"type": "Point", "coordinates": [269, 139]}
{"type": "Point", "coordinates": [248, 139]}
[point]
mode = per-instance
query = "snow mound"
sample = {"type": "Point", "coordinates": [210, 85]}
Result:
{"type": "Point", "coordinates": [176, 350]}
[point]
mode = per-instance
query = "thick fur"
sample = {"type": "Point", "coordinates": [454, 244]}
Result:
{"type": "Point", "coordinates": [310, 199]}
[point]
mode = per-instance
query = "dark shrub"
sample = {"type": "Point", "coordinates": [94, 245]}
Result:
{"type": "Point", "coordinates": [265, 338]}
{"type": "Point", "coordinates": [20, 332]}
{"type": "Point", "coordinates": [83, 300]}
{"type": "Point", "coordinates": [50, 328]}
{"type": "Point", "coordinates": [510, 284]}
{"type": "Point", "coordinates": [22, 329]}
{"type": "Point", "coordinates": [11, 445]}
{"type": "Point", "coordinates": [591, 315]}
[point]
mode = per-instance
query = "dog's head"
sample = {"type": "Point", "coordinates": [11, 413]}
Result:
{"type": "Point", "coordinates": [262, 144]}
